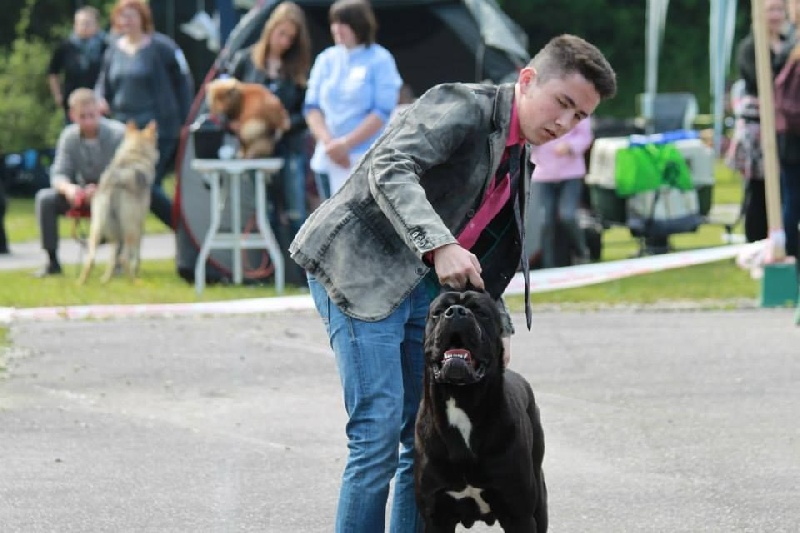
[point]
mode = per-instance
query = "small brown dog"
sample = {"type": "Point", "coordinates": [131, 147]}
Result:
{"type": "Point", "coordinates": [261, 117]}
{"type": "Point", "coordinates": [122, 200]}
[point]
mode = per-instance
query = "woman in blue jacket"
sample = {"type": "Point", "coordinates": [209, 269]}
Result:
{"type": "Point", "coordinates": [352, 91]}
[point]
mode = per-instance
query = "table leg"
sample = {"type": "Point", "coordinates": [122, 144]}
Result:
{"type": "Point", "coordinates": [213, 228]}
{"type": "Point", "coordinates": [236, 226]}
{"type": "Point", "coordinates": [265, 229]}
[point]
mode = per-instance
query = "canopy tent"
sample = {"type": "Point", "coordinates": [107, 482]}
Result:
{"type": "Point", "coordinates": [722, 25]}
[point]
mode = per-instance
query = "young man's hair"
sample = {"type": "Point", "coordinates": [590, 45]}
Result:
{"type": "Point", "coordinates": [89, 11]}
{"type": "Point", "coordinates": [358, 15]}
{"type": "Point", "coordinates": [568, 54]}
{"type": "Point", "coordinates": [81, 97]}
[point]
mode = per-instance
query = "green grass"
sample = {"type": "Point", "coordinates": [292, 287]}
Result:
{"type": "Point", "coordinates": [719, 281]}
{"type": "Point", "coordinates": [727, 185]}
{"type": "Point", "coordinates": [21, 223]}
{"type": "Point", "coordinates": [159, 283]}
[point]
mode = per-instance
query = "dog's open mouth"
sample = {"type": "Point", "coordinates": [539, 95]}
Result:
{"type": "Point", "coordinates": [458, 367]}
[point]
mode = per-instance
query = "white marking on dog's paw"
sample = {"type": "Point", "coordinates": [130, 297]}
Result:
{"type": "Point", "coordinates": [459, 420]}
{"type": "Point", "coordinates": [475, 494]}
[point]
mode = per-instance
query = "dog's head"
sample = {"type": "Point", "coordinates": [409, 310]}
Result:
{"type": "Point", "coordinates": [224, 97]}
{"type": "Point", "coordinates": [463, 337]}
{"type": "Point", "coordinates": [140, 143]}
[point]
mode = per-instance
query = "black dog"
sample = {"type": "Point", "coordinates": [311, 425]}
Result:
{"type": "Point", "coordinates": [479, 441]}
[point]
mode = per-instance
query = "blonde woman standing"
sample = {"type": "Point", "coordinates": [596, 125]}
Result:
{"type": "Point", "coordinates": [280, 60]}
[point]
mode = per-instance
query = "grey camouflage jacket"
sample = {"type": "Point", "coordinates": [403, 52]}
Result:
{"type": "Point", "coordinates": [410, 193]}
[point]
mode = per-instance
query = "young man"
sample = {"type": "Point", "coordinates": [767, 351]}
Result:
{"type": "Point", "coordinates": [78, 58]}
{"type": "Point", "coordinates": [83, 152]}
{"type": "Point", "coordinates": [440, 189]}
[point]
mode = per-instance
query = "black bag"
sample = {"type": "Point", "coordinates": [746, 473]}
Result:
{"type": "Point", "coordinates": [28, 171]}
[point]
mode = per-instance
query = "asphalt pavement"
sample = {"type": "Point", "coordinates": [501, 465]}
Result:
{"type": "Point", "coordinates": [683, 421]}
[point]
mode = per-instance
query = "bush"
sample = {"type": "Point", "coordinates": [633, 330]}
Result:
{"type": "Point", "coordinates": [28, 115]}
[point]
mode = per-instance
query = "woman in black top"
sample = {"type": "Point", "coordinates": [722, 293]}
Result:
{"type": "Point", "coordinates": [781, 38]}
{"type": "Point", "coordinates": [79, 58]}
{"type": "Point", "coordinates": [280, 60]}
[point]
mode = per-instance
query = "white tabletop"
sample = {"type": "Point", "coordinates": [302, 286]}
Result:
{"type": "Point", "coordinates": [271, 164]}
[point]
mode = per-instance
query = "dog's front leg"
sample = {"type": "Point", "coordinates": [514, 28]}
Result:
{"type": "Point", "coordinates": [432, 527]}
{"type": "Point", "coordinates": [526, 524]}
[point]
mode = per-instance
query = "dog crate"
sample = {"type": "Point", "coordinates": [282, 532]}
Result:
{"type": "Point", "coordinates": [602, 177]}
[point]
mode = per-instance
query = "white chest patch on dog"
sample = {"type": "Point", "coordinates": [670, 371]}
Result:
{"type": "Point", "coordinates": [475, 494]}
{"type": "Point", "coordinates": [459, 420]}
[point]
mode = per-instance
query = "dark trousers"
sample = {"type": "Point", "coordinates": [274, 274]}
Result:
{"type": "Point", "coordinates": [160, 204]}
{"type": "Point", "coordinates": [790, 200]}
{"type": "Point", "coordinates": [755, 213]}
{"type": "Point", "coordinates": [560, 200]}
{"type": "Point", "coordinates": [50, 204]}
{"type": "Point", "coordinates": [3, 238]}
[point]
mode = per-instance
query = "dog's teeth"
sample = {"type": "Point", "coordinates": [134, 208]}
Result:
{"type": "Point", "coordinates": [460, 354]}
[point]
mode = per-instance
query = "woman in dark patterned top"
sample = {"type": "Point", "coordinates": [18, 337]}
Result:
{"type": "Point", "coordinates": [280, 60]}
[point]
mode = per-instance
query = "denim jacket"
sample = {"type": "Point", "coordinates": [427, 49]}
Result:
{"type": "Point", "coordinates": [414, 189]}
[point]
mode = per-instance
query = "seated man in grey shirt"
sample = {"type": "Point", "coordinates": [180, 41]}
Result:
{"type": "Point", "coordinates": [84, 150]}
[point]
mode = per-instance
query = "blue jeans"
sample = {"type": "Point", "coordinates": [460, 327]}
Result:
{"type": "Point", "coordinates": [559, 200]}
{"type": "Point", "coordinates": [292, 189]}
{"type": "Point", "coordinates": [790, 200]}
{"type": "Point", "coordinates": [381, 367]}
{"type": "Point", "coordinates": [323, 185]}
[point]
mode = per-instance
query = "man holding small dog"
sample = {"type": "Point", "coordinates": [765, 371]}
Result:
{"type": "Point", "coordinates": [439, 199]}
{"type": "Point", "coordinates": [83, 152]}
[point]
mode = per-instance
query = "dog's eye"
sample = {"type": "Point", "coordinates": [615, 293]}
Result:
{"type": "Point", "coordinates": [478, 311]}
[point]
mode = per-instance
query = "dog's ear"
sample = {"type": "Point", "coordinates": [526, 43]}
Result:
{"type": "Point", "coordinates": [471, 287]}
{"type": "Point", "coordinates": [468, 287]}
{"type": "Point", "coordinates": [220, 93]}
{"type": "Point", "coordinates": [447, 288]}
{"type": "Point", "coordinates": [151, 129]}
{"type": "Point", "coordinates": [130, 126]}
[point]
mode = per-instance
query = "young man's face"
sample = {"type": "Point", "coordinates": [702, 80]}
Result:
{"type": "Point", "coordinates": [549, 110]}
{"type": "Point", "coordinates": [84, 26]}
{"type": "Point", "coordinates": [87, 117]}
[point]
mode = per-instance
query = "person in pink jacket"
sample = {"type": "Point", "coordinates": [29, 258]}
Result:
{"type": "Point", "coordinates": [557, 182]}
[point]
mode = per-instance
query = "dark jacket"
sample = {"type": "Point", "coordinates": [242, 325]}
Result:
{"type": "Point", "coordinates": [80, 61]}
{"type": "Point", "coordinates": [288, 92]}
{"type": "Point", "coordinates": [171, 80]}
{"type": "Point", "coordinates": [410, 193]}
{"type": "Point", "coordinates": [788, 143]}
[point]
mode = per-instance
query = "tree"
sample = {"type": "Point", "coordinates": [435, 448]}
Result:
{"type": "Point", "coordinates": [617, 27]}
{"type": "Point", "coordinates": [27, 112]}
